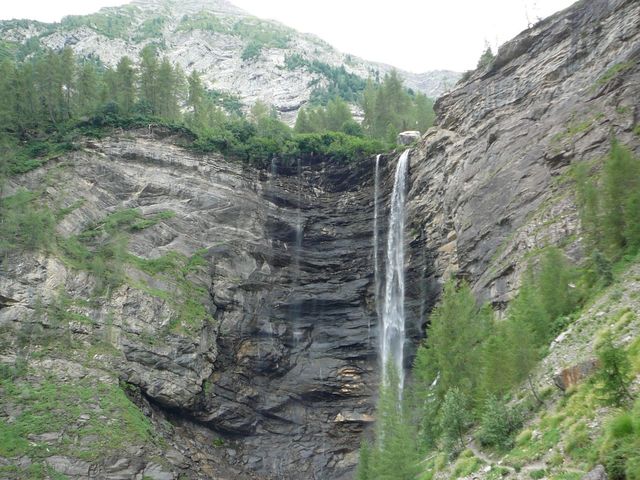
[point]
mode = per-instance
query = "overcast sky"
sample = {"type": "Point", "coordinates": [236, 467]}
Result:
{"type": "Point", "coordinates": [415, 35]}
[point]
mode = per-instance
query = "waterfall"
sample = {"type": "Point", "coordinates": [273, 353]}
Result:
{"type": "Point", "coordinates": [297, 252]}
{"type": "Point", "coordinates": [376, 247]}
{"type": "Point", "coordinates": [393, 331]}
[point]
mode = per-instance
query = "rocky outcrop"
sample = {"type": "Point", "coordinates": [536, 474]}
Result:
{"type": "Point", "coordinates": [572, 376]}
{"type": "Point", "coordinates": [254, 355]}
{"type": "Point", "coordinates": [490, 182]}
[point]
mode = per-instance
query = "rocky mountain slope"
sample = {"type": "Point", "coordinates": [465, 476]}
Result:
{"type": "Point", "coordinates": [226, 327]}
{"type": "Point", "coordinates": [235, 52]}
{"type": "Point", "coordinates": [491, 179]}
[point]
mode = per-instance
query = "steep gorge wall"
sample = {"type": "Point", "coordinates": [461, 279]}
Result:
{"type": "Point", "coordinates": [285, 371]}
{"type": "Point", "coordinates": [490, 182]}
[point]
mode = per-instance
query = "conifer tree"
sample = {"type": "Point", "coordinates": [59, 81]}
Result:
{"type": "Point", "coordinates": [395, 456]}
{"type": "Point", "coordinates": [364, 462]}
{"type": "Point", "coordinates": [196, 97]}
{"type": "Point", "coordinates": [87, 88]}
{"type": "Point", "coordinates": [125, 80]}
{"type": "Point", "coordinates": [455, 337]}
{"type": "Point", "coordinates": [454, 419]}
{"type": "Point", "coordinates": [615, 372]}
{"type": "Point", "coordinates": [303, 125]}
{"type": "Point", "coordinates": [67, 74]}
{"type": "Point", "coordinates": [149, 78]}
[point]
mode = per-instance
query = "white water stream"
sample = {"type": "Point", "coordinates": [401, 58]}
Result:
{"type": "Point", "coordinates": [392, 336]}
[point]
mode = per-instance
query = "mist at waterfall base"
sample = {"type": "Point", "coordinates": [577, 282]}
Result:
{"type": "Point", "coordinates": [391, 313]}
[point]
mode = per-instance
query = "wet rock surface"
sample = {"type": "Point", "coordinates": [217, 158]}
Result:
{"type": "Point", "coordinates": [286, 278]}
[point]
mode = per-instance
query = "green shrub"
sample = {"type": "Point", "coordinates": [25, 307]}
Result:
{"type": "Point", "coordinates": [498, 423]}
{"type": "Point", "coordinates": [614, 372]}
{"type": "Point", "coordinates": [621, 426]}
{"type": "Point", "coordinates": [25, 223]}
{"type": "Point", "coordinates": [251, 51]}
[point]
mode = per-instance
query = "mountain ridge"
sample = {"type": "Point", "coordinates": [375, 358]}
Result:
{"type": "Point", "coordinates": [233, 51]}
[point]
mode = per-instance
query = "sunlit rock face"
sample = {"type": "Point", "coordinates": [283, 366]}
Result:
{"type": "Point", "coordinates": [491, 181]}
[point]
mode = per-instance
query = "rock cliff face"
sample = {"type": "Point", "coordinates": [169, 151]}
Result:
{"type": "Point", "coordinates": [276, 376]}
{"type": "Point", "coordinates": [490, 183]}
{"type": "Point", "coordinates": [284, 371]}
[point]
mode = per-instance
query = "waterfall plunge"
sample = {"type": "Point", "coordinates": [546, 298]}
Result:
{"type": "Point", "coordinates": [376, 247]}
{"type": "Point", "coordinates": [393, 331]}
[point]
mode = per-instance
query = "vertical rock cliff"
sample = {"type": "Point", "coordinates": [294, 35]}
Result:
{"type": "Point", "coordinates": [490, 183]}
{"type": "Point", "coordinates": [281, 362]}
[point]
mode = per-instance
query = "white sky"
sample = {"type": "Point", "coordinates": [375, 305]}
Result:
{"type": "Point", "coordinates": [415, 35]}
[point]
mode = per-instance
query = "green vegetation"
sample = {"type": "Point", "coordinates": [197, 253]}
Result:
{"type": "Point", "coordinates": [394, 455]}
{"type": "Point", "coordinates": [251, 51]}
{"type": "Point", "coordinates": [256, 33]}
{"type": "Point", "coordinates": [25, 223]}
{"type": "Point", "coordinates": [341, 83]}
{"type": "Point", "coordinates": [150, 28]}
{"type": "Point", "coordinates": [75, 407]}
{"type": "Point", "coordinates": [474, 371]}
{"type": "Point", "coordinates": [610, 208]}
{"type": "Point", "coordinates": [336, 117]}
{"type": "Point", "coordinates": [389, 109]}
{"type": "Point", "coordinates": [202, 21]}
{"type": "Point", "coordinates": [114, 24]}
{"type": "Point", "coordinates": [486, 58]}
{"type": "Point", "coordinates": [612, 72]}
{"type": "Point", "coordinates": [48, 103]}
{"type": "Point", "coordinates": [101, 249]}
{"type": "Point", "coordinates": [615, 372]}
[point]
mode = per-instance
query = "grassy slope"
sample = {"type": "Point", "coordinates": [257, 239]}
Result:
{"type": "Point", "coordinates": [567, 435]}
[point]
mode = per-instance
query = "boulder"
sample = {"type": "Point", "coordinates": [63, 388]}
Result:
{"type": "Point", "coordinates": [408, 137]}
{"type": "Point", "coordinates": [574, 375]}
{"type": "Point", "coordinates": [598, 473]}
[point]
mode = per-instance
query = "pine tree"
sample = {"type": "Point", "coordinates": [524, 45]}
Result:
{"type": "Point", "coordinates": [7, 95]}
{"type": "Point", "coordinates": [303, 125]}
{"type": "Point", "coordinates": [169, 82]}
{"type": "Point", "coordinates": [396, 455]}
{"type": "Point", "coordinates": [364, 462]}
{"type": "Point", "coordinates": [196, 97]}
{"type": "Point", "coordinates": [67, 67]}
{"type": "Point", "coordinates": [455, 337]}
{"type": "Point", "coordinates": [87, 89]}
{"type": "Point", "coordinates": [614, 373]}
{"type": "Point", "coordinates": [455, 419]}
{"type": "Point", "coordinates": [337, 115]}
{"type": "Point", "coordinates": [423, 112]}
{"type": "Point", "coordinates": [125, 81]}
{"type": "Point", "coordinates": [149, 67]}
{"type": "Point", "coordinates": [553, 285]}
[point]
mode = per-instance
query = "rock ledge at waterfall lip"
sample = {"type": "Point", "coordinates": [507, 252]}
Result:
{"type": "Point", "coordinates": [353, 417]}
{"type": "Point", "coordinates": [408, 137]}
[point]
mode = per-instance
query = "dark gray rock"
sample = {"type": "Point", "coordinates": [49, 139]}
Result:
{"type": "Point", "coordinates": [598, 473]}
